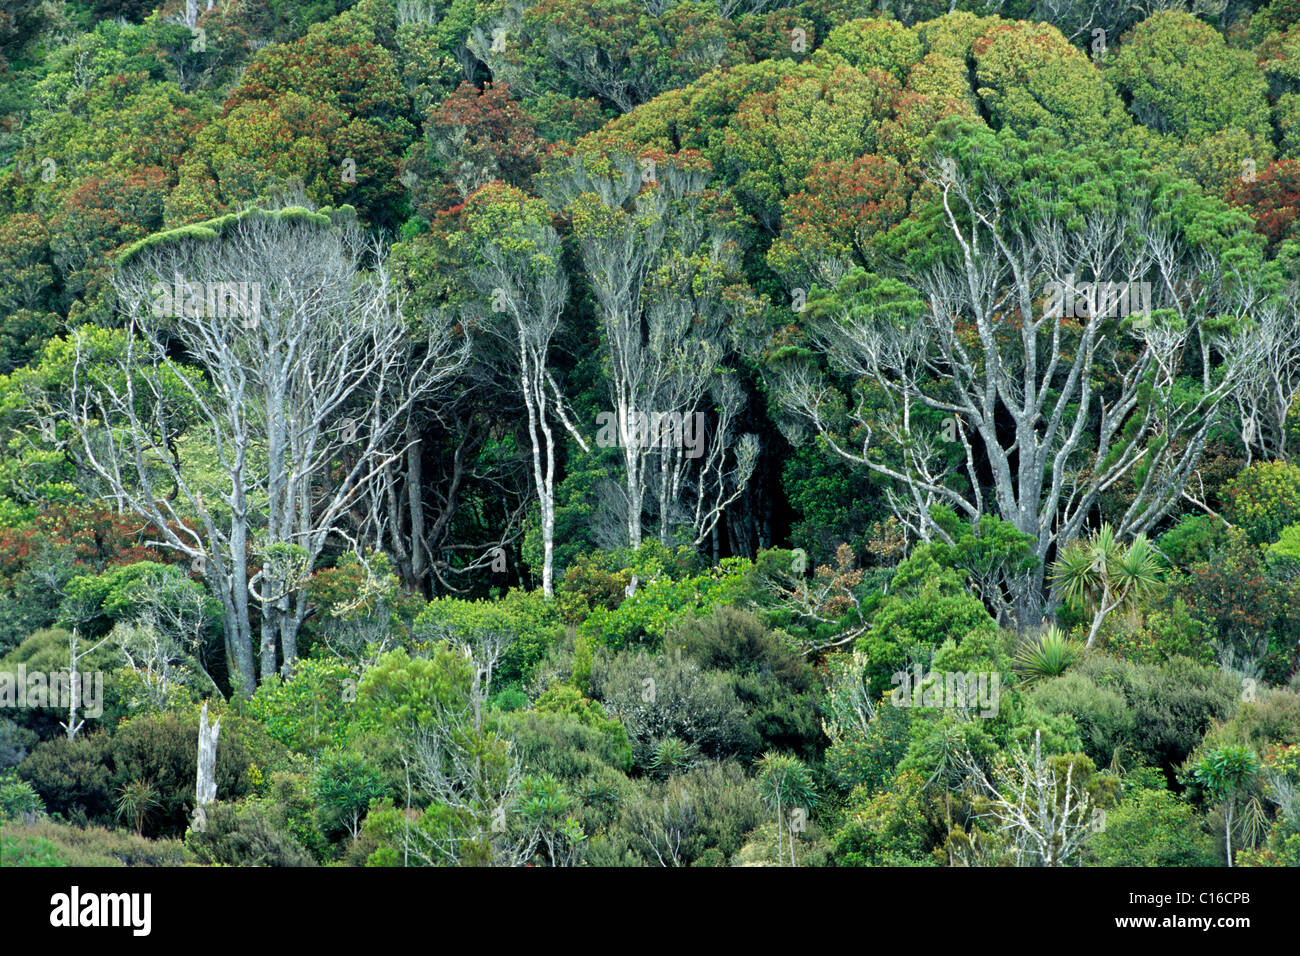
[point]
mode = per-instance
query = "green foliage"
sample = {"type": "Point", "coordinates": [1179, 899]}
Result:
{"type": "Point", "coordinates": [1264, 499]}
{"type": "Point", "coordinates": [1226, 770]}
{"type": "Point", "coordinates": [309, 711]}
{"type": "Point", "coordinates": [18, 801]}
{"type": "Point", "coordinates": [242, 834]}
{"type": "Point", "coordinates": [143, 772]}
{"type": "Point", "coordinates": [344, 784]}
{"type": "Point", "coordinates": [677, 821]}
{"type": "Point", "coordinates": [400, 692]}
{"type": "Point", "coordinates": [660, 601]}
{"type": "Point", "coordinates": [1181, 78]}
{"type": "Point", "coordinates": [892, 828]}
{"type": "Point", "coordinates": [925, 607]}
{"type": "Point", "coordinates": [808, 195]}
{"type": "Point", "coordinates": [527, 616]}
{"type": "Point", "coordinates": [1104, 719]}
{"type": "Point", "coordinates": [1173, 704]}
{"type": "Point", "coordinates": [669, 695]}
{"type": "Point", "coordinates": [1050, 655]}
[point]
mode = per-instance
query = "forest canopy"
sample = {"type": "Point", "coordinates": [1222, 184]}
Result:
{"type": "Point", "coordinates": [649, 433]}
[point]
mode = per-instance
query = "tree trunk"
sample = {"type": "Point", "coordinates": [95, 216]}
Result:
{"type": "Point", "coordinates": [205, 789]}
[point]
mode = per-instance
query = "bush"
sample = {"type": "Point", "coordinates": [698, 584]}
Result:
{"type": "Point", "coordinates": [1152, 828]}
{"type": "Point", "coordinates": [527, 615]}
{"type": "Point", "coordinates": [81, 779]}
{"type": "Point", "coordinates": [163, 750]}
{"type": "Point", "coordinates": [869, 762]}
{"type": "Point", "coordinates": [23, 849]}
{"type": "Point", "coordinates": [661, 601]}
{"type": "Point", "coordinates": [730, 639]}
{"type": "Point", "coordinates": [1173, 704]}
{"type": "Point", "coordinates": [18, 800]}
{"type": "Point", "coordinates": [309, 710]}
{"type": "Point", "coordinates": [245, 834]}
{"type": "Point", "coordinates": [1264, 499]}
{"type": "Point", "coordinates": [49, 843]}
{"type": "Point", "coordinates": [670, 696]}
{"type": "Point", "coordinates": [606, 741]}
{"type": "Point", "coordinates": [343, 786]}
{"type": "Point", "coordinates": [893, 828]}
{"type": "Point", "coordinates": [926, 607]}
{"type": "Point", "coordinates": [1103, 717]}
{"type": "Point", "coordinates": [772, 682]}
{"type": "Point", "coordinates": [73, 777]}
{"type": "Point", "coordinates": [1272, 717]}
{"type": "Point", "coordinates": [591, 581]}
{"type": "Point", "coordinates": [1161, 633]}
{"type": "Point", "coordinates": [674, 822]}
{"type": "Point", "coordinates": [1193, 539]}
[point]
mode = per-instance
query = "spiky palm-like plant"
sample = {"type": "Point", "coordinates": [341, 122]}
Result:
{"type": "Point", "coordinates": [1050, 655]}
{"type": "Point", "coordinates": [1226, 771]}
{"type": "Point", "coordinates": [135, 801]}
{"type": "Point", "coordinates": [672, 755]}
{"type": "Point", "coordinates": [1100, 575]}
{"type": "Point", "coordinates": [786, 784]}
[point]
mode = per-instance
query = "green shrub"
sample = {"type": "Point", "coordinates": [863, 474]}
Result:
{"type": "Point", "coordinates": [1264, 499]}
{"type": "Point", "coordinates": [309, 710]}
{"type": "Point", "coordinates": [1103, 716]}
{"type": "Point", "coordinates": [527, 616]}
{"type": "Point", "coordinates": [61, 845]}
{"type": "Point", "coordinates": [1152, 828]}
{"type": "Point", "coordinates": [658, 696]}
{"type": "Point", "coordinates": [18, 800]}
{"type": "Point", "coordinates": [245, 834]}
{"type": "Point", "coordinates": [1173, 704]}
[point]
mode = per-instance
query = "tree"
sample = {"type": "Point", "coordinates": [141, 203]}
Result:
{"type": "Point", "coordinates": [978, 387]}
{"type": "Point", "coordinates": [545, 806]}
{"type": "Point", "coordinates": [296, 403]}
{"type": "Point", "coordinates": [344, 784]}
{"type": "Point", "coordinates": [1268, 349]}
{"type": "Point", "coordinates": [136, 800]}
{"type": "Point", "coordinates": [787, 787]}
{"type": "Point", "coordinates": [470, 139]}
{"type": "Point", "coordinates": [1225, 772]}
{"type": "Point", "coordinates": [1028, 77]}
{"type": "Point", "coordinates": [76, 653]}
{"type": "Point", "coordinates": [661, 266]}
{"type": "Point", "coordinates": [514, 266]}
{"type": "Point", "coordinates": [1180, 77]}
{"type": "Point", "coordinates": [622, 51]}
{"type": "Point", "coordinates": [1044, 806]}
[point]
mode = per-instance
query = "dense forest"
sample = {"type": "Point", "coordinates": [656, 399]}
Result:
{"type": "Point", "coordinates": [649, 433]}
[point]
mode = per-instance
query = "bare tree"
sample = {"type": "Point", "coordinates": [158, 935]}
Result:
{"type": "Point", "coordinates": [152, 655]}
{"type": "Point", "coordinates": [1268, 349]}
{"type": "Point", "coordinates": [293, 399]}
{"type": "Point", "coordinates": [469, 770]}
{"type": "Point", "coordinates": [662, 271]}
{"type": "Point", "coordinates": [76, 653]}
{"type": "Point", "coordinates": [1041, 805]}
{"type": "Point", "coordinates": [1044, 410]}
{"type": "Point", "coordinates": [516, 270]}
